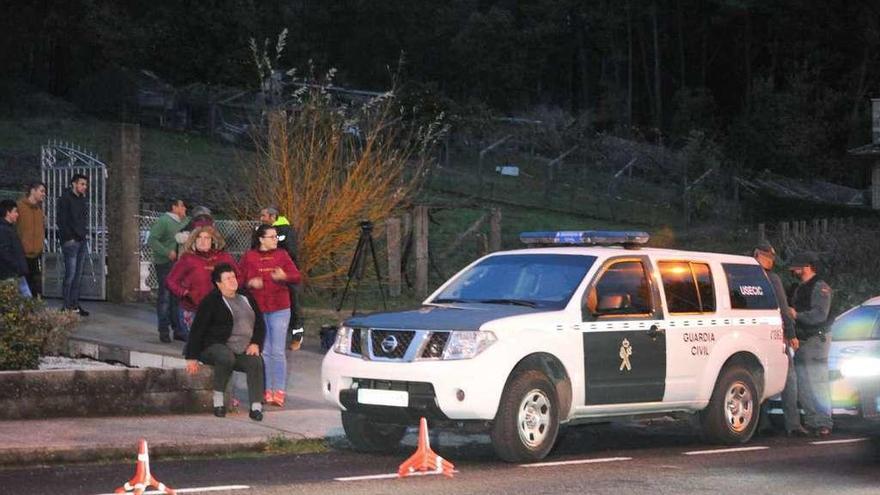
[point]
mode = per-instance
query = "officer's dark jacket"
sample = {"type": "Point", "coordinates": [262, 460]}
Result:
{"type": "Point", "coordinates": [73, 216]}
{"type": "Point", "coordinates": [812, 301]}
{"type": "Point", "coordinates": [12, 261]}
{"type": "Point", "coordinates": [213, 324]}
{"type": "Point", "coordinates": [782, 301]}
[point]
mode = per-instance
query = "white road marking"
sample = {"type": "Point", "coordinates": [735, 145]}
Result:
{"type": "Point", "coordinates": [199, 489]}
{"type": "Point", "coordinates": [725, 451]}
{"type": "Point", "coordinates": [388, 476]}
{"type": "Point", "coordinates": [845, 440]}
{"type": "Point", "coordinates": [576, 461]}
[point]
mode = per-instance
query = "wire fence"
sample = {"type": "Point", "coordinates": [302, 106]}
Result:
{"type": "Point", "coordinates": [236, 233]}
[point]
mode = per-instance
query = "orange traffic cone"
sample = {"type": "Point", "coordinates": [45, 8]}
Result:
{"type": "Point", "coordinates": [142, 478]}
{"type": "Point", "coordinates": [425, 460]}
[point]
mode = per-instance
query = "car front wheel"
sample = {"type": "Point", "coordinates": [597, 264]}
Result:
{"type": "Point", "coordinates": [732, 414]}
{"type": "Point", "coordinates": [527, 421]}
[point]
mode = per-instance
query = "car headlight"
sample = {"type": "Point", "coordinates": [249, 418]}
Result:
{"type": "Point", "coordinates": [343, 340]}
{"type": "Point", "coordinates": [467, 344]}
{"type": "Point", "coordinates": [860, 367]}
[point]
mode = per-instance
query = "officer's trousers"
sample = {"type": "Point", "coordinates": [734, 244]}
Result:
{"type": "Point", "coordinates": [814, 392]}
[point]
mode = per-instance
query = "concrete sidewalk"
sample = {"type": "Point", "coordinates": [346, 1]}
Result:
{"type": "Point", "coordinates": [127, 333]}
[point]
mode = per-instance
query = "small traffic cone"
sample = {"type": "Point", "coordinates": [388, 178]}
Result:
{"type": "Point", "coordinates": [142, 478]}
{"type": "Point", "coordinates": [425, 460]}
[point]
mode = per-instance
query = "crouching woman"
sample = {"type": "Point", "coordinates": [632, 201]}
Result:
{"type": "Point", "coordinates": [227, 333]}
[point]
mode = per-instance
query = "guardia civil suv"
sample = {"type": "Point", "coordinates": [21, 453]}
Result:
{"type": "Point", "coordinates": [580, 327]}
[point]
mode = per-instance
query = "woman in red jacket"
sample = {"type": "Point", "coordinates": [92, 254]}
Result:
{"type": "Point", "coordinates": [266, 271]}
{"type": "Point", "coordinates": [190, 279]}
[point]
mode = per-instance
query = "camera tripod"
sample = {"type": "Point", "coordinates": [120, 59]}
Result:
{"type": "Point", "coordinates": [357, 267]}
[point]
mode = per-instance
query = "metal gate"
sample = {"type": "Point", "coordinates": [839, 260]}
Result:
{"type": "Point", "coordinates": [59, 162]}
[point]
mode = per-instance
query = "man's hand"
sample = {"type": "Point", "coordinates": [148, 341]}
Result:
{"type": "Point", "coordinates": [255, 283]}
{"type": "Point", "coordinates": [278, 275]}
{"type": "Point", "coordinates": [794, 343]}
{"type": "Point", "coordinates": [192, 366]}
{"type": "Point", "coordinates": [252, 350]}
{"type": "Point", "coordinates": [792, 313]}
{"type": "Point", "coordinates": [172, 255]}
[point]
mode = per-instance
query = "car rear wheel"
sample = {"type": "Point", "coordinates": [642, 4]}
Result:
{"type": "Point", "coordinates": [367, 435]}
{"type": "Point", "coordinates": [527, 421]}
{"type": "Point", "coordinates": [732, 414]}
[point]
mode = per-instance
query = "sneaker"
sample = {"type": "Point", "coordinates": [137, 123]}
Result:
{"type": "Point", "coordinates": [81, 311]}
{"type": "Point", "coordinates": [256, 415]}
{"type": "Point", "coordinates": [164, 338]}
{"type": "Point", "coordinates": [268, 397]}
{"type": "Point", "coordinates": [180, 337]}
{"type": "Point", "coordinates": [823, 431]}
{"type": "Point", "coordinates": [278, 398]}
{"type": "Point", "coordinates": [220, 411]}
{"type": "Point", "coordinates": [797, 432]}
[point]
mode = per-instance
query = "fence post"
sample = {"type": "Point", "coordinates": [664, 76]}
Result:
{"type": "Point", "coordinates": [124, 186]}
{"type": "Point", "coordinates": [392, 231]}
{"type": "Point", "coordinates": [420, 233]}
{"type": "Point", "coordinates": [783, 228]}
{"type": "Point", "coordinates": [802, 228]}
{"type": "Point", "coordinates": [762, 234]}
{"type": "Point", "coordinates": [815, 228]}
{"type": "Point", "coordinates": [824, 224]}
{"type": "Point", "coordinates": [495, 230]}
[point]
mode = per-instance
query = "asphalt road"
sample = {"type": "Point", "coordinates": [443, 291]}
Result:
{"type": "Point", "coordinates": [659, 458]}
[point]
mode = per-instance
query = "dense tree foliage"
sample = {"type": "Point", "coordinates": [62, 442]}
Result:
{"type": "Point", "coordinates": [791, 75]}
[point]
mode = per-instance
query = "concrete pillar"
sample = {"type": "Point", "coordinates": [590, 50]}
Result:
{"type": "Point", "coordinates": [123, 201]}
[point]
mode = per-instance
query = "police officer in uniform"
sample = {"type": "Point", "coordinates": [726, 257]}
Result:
{"type": "Point", "coordinates": [810, 305]}
{"type": "Point", "coordinates": [765, 254]}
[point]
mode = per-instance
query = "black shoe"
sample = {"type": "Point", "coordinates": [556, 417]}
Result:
{"type": "Point", "coordinates": [81, 311]}
{"type": "Point", "coordinates": [256, 415]}
{"type": "Point", "coordinates": [220, 412]}
{"type": "Point", "coordinates": [797, 432]}
{"type": "Point", "coordinates": [164, 338]}
{"type": "Point", "coordinates": [823, 432]}
{"type": "Point", "coordinates": [180, 337]}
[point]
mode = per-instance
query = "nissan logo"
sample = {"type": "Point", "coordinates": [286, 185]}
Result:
{"type": "Point", "coordinates": [389, 344]}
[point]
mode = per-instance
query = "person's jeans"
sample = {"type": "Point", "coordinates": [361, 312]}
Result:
{"type": "Point", "coordinates": [790, 412]}
{"type": "Point", "coordinates": [225, 361]}
{"type": "Point", "coordinates": [274, 347]}
{"type": "Point", "coordinates": [814, 393]}
{"type": "Point", "coordinates": [23, 287]}
{"type": "Point", "coordinates": [166, 303]}
{"type": "Point", "coordinates": [74, 253]}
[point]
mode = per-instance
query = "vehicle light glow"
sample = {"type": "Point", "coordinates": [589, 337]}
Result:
{"type": "Point", "coordinates": [586, 237]}
{"type": "Point", "coordinates": [860, 367]}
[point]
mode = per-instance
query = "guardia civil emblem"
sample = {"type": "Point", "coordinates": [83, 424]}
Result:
{"type": "Point", "coordinates": [625, 352]}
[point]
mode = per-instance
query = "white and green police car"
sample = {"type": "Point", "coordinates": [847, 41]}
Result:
{"type": "Point", "coordinates": [584, 326]}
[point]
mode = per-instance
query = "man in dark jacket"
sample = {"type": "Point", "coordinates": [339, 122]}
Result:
{"type": "Point", "coordinates": [810, 307]}
{"type": "Point", "coordinates": [228, 333]}
{"type": "Point", "coordinates": [287, 241]}
{"type": "Point", "coordinates": [73, 220]}
{"type": "Point", "coordinates": [13, 264]}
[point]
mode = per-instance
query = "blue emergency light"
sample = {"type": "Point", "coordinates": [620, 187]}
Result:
{"type": "Point", "coordinates": [586, 237]}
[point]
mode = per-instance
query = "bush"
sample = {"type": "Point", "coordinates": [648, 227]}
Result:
{"type": "Point", "coordinates": [29, 330]}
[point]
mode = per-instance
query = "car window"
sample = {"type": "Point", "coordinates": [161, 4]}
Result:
{"type": "Point", "coordinates": [688, 286]}
{"type": "Point", "coordinates": [859, 324]}
{"type": "Point", "coordinates": [749, 287]}
{"type": "Point", "coordinates": [545, 280]}
{"type": "Point", "coordinates": [622, 290]}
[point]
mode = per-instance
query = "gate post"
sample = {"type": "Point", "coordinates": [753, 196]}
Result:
{"type": "Point", "coordinates": [124, 188]}
{"type": "Point", "coordinates": [420, 234]}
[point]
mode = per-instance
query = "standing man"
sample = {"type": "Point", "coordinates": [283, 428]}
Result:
{"type": "Point", "coordinates": [12, 263]}
{"type": "Point", "coordinates": [73, 221]}
{"type": "Point", "coordinates": [270, 215]}
{"type": "Point", "coordinates": [31, 228]}
{"type": "Point", "coordinates": [810, 306]}
{"type": "Point", "coordinates": [164, 247]}
{"type": "Point", "coordinates": [766, 256]}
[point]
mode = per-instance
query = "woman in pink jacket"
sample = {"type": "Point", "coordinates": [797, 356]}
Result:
{"type": "Point", "coordinates": [266, 271]}
{"type": "Point", "coordinates": [190, 279]}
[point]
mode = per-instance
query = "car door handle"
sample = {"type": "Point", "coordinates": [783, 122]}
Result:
{"type": "Point", "coordinates": [654, 331]}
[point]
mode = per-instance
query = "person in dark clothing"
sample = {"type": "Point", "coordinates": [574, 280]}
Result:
{"type": "Point", "coordinates": [287, 240]}
{"type": "Point", "coordinates": [13, 264]}
{"type": "Point", "coordinates": [73, 219]}
{"type": "Point", "coordinates": [810, 308]}
{"type": "Point", "coordinates": [228, 333]}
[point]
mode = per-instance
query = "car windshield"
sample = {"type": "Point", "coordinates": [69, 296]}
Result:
{"type": "Point", "coordinates": [858, 324]}
{"type": "Point", "coordinates": [535, 280]}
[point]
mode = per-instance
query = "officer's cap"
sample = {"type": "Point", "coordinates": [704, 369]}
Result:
{"type": "Point", "coordinates": [803, 259]}
{"type": "Point", "coordinates": [766, 249]}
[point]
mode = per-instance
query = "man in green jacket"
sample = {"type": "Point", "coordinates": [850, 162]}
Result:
{"type": "Point", "coordinates": [164, 247]}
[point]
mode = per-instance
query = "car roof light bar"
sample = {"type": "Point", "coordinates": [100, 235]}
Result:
{"type": "Point", "coordinates": [586, 238]}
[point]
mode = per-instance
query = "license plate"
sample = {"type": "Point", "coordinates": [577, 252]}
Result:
{"type": "Point", "coordinates": [396, 398]}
